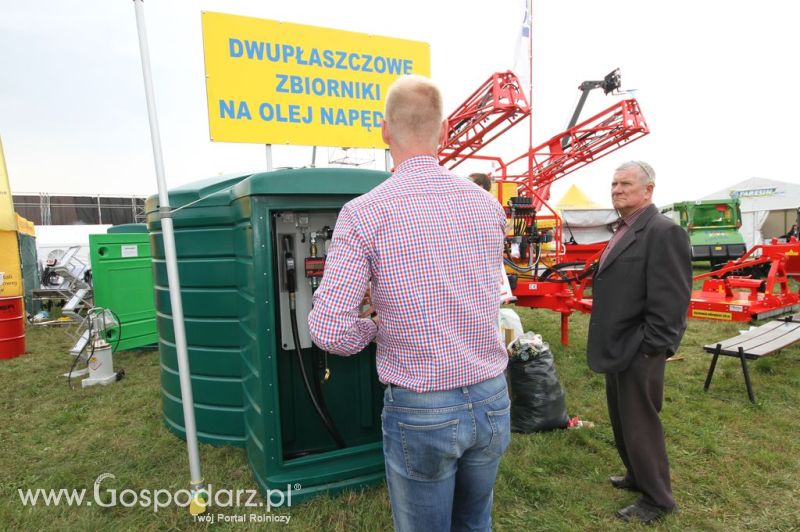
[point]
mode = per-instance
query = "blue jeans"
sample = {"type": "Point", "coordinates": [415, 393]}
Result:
{"type": "Point", "coordinates": [442, 450]}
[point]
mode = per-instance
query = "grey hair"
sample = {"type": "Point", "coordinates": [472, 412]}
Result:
{"type": "Point", "coordinates": [646, 172]}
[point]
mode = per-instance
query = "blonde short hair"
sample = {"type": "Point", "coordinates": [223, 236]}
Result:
{"type": "Point", "coordinates": [414, 111]}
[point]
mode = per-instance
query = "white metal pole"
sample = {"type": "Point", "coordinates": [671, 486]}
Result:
{"type": "Point", "coordinates": [269, 157]}
{"type": "Point", "coordinates": [529, 9]}
{"type": "Point", "coordinates": [168, 234]}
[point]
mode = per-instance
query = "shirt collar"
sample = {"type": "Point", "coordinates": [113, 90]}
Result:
{"type": "Point", "coordinates": [632, 217]}
{"type": "Point", "coordinates": [415, 163]}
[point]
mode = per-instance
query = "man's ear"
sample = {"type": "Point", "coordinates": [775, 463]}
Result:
{"type": "Point", "coordinates": [385, 132]}
{"type": "Point", "coordinates": [443, 134]}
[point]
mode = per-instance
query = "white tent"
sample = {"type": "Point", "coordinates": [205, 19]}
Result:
{"type": "Point", "coordinates": [769, 208]}
{"type": "Point", "coordinates": [51, 238]}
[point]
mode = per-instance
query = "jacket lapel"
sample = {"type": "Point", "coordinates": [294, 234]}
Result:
{"type": "Point", "coordinates": [630, 236]}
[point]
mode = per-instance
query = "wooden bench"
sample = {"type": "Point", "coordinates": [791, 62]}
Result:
{"type": "Point", "coordinates": [755, 344]}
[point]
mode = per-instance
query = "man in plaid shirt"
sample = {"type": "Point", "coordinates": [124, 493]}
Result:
{"type": "Point", "coordinates": [428, 244]}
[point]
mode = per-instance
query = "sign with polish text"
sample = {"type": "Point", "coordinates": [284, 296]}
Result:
{"type": "Point", "coordinates": [271, 82]}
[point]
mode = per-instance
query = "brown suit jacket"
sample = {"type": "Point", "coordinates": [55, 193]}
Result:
{"type": "Point", "coordinates": [641, 294]}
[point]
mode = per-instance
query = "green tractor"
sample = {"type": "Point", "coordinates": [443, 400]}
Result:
{"type": "Point", "coordinates": [713, 227]}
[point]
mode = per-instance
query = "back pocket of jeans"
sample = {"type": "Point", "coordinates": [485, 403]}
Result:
{"type": "Point", "coordinates": [430, 450]}
{"type": "Point", "coordinates": [500, 421]}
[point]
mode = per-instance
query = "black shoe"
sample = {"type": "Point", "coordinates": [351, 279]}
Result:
{"type": "Point", "coordinates": [622, 483]}
{"type": "Point", "coordinates": [643, 513]}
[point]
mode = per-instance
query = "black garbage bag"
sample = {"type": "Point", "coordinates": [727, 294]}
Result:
{"type": "Point", "coordinates": [538, 401]}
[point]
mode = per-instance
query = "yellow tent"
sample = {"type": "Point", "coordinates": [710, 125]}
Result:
{"type": "Point", "coordinates": [10, 267]}
{"type": "Point", "coordinates": [575, 198]}
{"type": "Point", "coordinates": [10, 272]}
{"type": "Point", "coordinates": [25, 227]}
{"type": "Point", "coordinates": [8, 220]}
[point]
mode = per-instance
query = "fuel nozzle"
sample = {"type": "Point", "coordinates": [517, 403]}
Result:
{"type": "Point", "coordinates": [289, 266]}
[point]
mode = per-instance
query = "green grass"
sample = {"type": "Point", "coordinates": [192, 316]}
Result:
{"type": "Point", "coordinates": [735, 465]}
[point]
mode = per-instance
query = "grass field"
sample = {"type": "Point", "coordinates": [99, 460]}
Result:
{"type": "Point", "coordinates": [735, 465]}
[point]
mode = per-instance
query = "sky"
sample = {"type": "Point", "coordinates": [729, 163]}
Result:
{"type": "Point", "coordinates": [716, 81]}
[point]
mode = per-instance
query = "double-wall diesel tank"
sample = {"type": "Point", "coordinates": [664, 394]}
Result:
{"type": "Point", "coordinates": [204, 238]}
{"type": "Point", "coordinates": [248, 245]}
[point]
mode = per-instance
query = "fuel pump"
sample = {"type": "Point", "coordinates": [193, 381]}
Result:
{"type": "Point", "coordinates": [314, 394]}
{"type": "Point", "coordinates": [315, 267]}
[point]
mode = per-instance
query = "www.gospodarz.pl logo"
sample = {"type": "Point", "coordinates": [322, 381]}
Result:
{"type": "Point", "coordinates": [156, 499]}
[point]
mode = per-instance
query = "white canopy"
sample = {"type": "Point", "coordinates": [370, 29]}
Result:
{"type": "Point", "coordinates": [588, 226]}
{"type": "Point", "coordinates": [769, 207]}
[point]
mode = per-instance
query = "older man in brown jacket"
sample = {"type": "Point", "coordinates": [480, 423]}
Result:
{"type": "Point", "coordinates": [641, 294]}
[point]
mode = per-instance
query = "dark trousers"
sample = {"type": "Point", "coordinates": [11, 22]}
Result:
{"type": "Point", "coordinates": [634, 402]}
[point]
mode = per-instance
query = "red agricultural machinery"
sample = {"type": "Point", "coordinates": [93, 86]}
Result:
{"type": "Point", "coordinates": [545, 272]}
{"type": "Point", "coordinates": [548, 273]}
{"type": "Point", "coordinates": [752, 287]}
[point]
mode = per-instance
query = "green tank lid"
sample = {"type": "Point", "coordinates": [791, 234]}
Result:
{"type": "Point", "coordinates": [127, 228]}
{"type": "Point", "coordinates": [213, 191]}
{"type": "Point", "coordinates": [320, 181]}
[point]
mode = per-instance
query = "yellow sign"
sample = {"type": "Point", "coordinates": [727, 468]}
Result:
{"type": "Point", "coordinates": [10, 272]}
{"type": "Point", "coordinates": [8, 220]}
{"type": "Point", "coordinates": [271, 82]}
{"type": "Point", "coordinates": [712, 315]}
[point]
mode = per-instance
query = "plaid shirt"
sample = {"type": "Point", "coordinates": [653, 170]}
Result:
{"type": "Point", "coordinates": [431, 245]}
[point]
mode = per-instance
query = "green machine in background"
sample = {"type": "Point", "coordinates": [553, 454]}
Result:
{"type": "Point", "coordinates": [122, 281]}
{"type": "Point", "coordinates": [234, 237]}
{"type": "Point", "coordinates": [713, 227]}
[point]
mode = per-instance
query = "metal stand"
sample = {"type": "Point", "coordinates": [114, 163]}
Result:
{"type": "Point", "coordinates": [712, 367]}
{"type": "Point", "coordinates": [745, 372]}
{"type": "Point", "coordinates": [746, 376]}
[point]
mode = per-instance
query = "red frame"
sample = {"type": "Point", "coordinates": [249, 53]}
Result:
{"type": "Point", "coordinates": [738, 298]}
{"type": "Point", "coordinates": [498, 105]}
